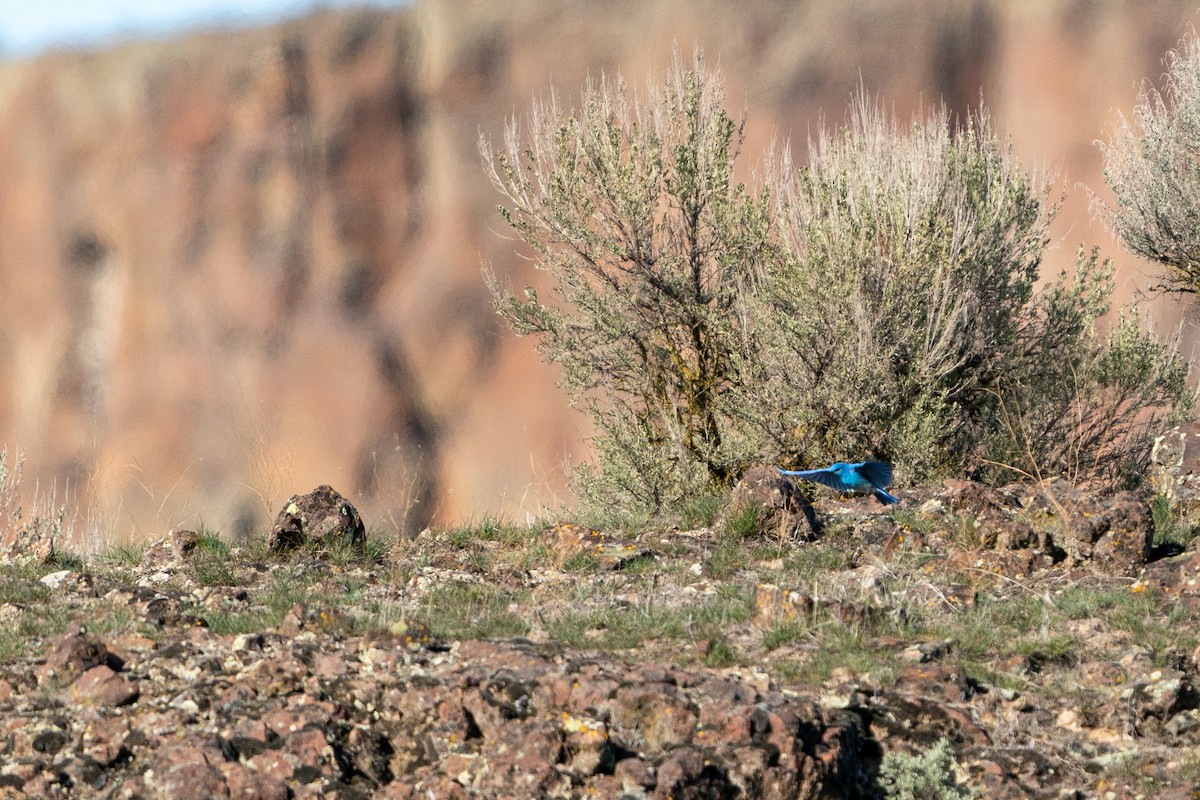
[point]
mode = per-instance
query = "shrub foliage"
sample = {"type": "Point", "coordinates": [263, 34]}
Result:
{"type": "Point", "coordinates": [632, 207]}
{"type": "Point", "coordinates": [905, 318]}
{"type": "Point", "coordinates": [1152, 165]}
{"type": "Point", "coordinates": [880, 300]}
{"type": "Point", "coordinates": [911, 257]}
{"type": "Point", "coordinates": [926, 776]}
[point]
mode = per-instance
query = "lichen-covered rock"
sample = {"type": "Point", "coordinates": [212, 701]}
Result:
{"type": "Point", "coordinates": [1177, 578]}
{"type": "Point", "coordinates": [1113, 533]}
{"type": "Point", "coordinates": [1175, 470]}
{"type": "Point", "coordinates": [1160, 693]}
{"type": "Point", "coordinates": [777, 605]}
{"type": "Point", "coordinates": [73, 654]}
{"type": "Point", "coordinates": [611, 552]}
{"type": "Point", "coordinates": [172, 548]}
{"type": "Point", "coordinates": [321, 516]}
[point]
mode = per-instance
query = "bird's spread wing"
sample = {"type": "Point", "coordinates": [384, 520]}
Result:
{"type": "Point", "coordinates": [879, 473]}
{"type": "Point", "coordinates": [826, 477]}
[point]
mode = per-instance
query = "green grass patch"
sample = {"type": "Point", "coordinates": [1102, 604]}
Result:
{"type": "Point", "coordinates": [34, 625]}
{"type": "Point", "coordinates": [701, 511]}
{"type": "Point", "coordinates": [786, 670]}
{"type": "Point", "coordinates": [288, 586]}
{"type": "Point", "coordinates": [720, 653]}
{"type": "Point", "coordinates": [619, 628]}
{"type": "Point", "coordinates": [647, 564]}
{"type": "Point", "coordinates": [999, 627]}
{"type": "Point", "coordinates": [125, 555]}
{"type": "Point", "coordinates": [211, 542]}
{"type": "Point", "coordinates": [209, 561]}
{"type": "Point", "coordinates": [492, 529]}
{"type": "Point", "coordinates": [913, 521]}
{"type": "Point", "coordinates": [784, 633]}
{"type": "Point", "coordinates": [461, 610]}
{"type": "Point", "coordinates": [115, 618]}
{"type": "Point", "coordinates": [845, 647]}
{"type": "Point", "coordinates": [61, 560]}
{"type": "Point", "coordinates": [234, 622]}
{"type": "Point", "coordinates": [20, 582]}
{"type": "Point", "coordinates": [743, 523]}
{"type": "Point", "coordinates": [811, 560]}
{"type": "Point", "coordinates": [582, 561]}
{"type": "Point", "coordinates": [213, 570]}
{"type": "Point", "coordinates": [1113, 603]}
{"type": "Point", "coordinates": [728, 558]}
{"type": "Point", "coordinates": [627, 627]}
{"type": "Point", "coordinates": [1169, 530]}
{"type": "Point", "coordinates": [731, 605]}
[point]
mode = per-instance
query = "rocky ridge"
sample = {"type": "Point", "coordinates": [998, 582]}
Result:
{"type": "Point", "coordinates": [1049, 637]}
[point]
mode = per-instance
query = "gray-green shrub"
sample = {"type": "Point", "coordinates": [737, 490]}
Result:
{"type": "Point", "coordinates": [905, 320]}
{"type": "Point", "coordinates": [880, 300]}
{"type": "Point", "coordinates": [926, 776]}
{"type": "Point", "coordinates": [632, 208]}
{"type": "Point", "coordinates": [1152, 165]}
{"type": "Point", "coordinates": [911, 256]}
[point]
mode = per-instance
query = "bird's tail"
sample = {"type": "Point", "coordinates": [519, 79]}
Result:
{"type": "Point", "coordinates": [885, 498]}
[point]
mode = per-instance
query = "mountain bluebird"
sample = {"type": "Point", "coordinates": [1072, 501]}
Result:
{"type": "Point", "coordinates": [865, 477]}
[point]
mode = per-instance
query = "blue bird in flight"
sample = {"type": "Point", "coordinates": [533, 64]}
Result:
{"type": "Point", "coordinates": [865, 477]}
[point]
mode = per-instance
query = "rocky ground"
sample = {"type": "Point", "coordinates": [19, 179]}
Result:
{"type": "Point", "coordinates": [1025, 642]}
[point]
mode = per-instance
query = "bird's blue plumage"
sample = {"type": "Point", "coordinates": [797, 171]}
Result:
{"type": "Point", "coordinates": [865, 477]}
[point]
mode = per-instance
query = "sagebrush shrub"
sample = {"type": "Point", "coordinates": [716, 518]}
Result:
{"type": "Point", "coordinates": [910, 256]}
{"type": "Point", "coordinates": [905, 320]}
{"type": "Point", "coordinates": [879, 301]}
{"type": "Point", "coordinates": [1082, 405]}
{"type": "Point", "coordinates": [926, 776]}
{"type": "Point", "coordinates": [631, 205]}
{"type": "Point", "coordinates": [1152, 165]}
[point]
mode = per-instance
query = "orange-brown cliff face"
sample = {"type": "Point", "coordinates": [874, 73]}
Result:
{"type": "Point", "coordinates": [239, 264]}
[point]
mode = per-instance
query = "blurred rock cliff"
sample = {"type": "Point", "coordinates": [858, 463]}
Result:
{"type": "Point", "coordinates": [236, 264]}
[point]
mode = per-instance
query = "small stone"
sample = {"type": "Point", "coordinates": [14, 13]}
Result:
{"type": "Point", "coordinates": [925, 652]}
{"type": "Point", "coordinates": [55, 580]}
{"type": "Point", "coordinates": [246, 784]}
{"type": "Point", "coordinates": [72, 654]}
{"type": "Point", "coordinates": [49, 740]}
{"type": "Point", "coordinates": [634, 774]}
{"type": "Point", "coordinates": [1184, 722]}
{"type": "Point", "coordinates": [248, 642]}
{"type": "Point", "coordinates": [1068, 718]}
{"type": "Point", "coordinates": [102, 687]}
{"type": "Point", "coordinates": [104, 740]}
{"type": "Point", "coordinates": [171, 549]}
{"type": "Point", "coordinates": [775, 605]}
{"type": "Point", "coordinates": [187, 768]}
{"type": "Point", "coordinates": [309, 745]}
